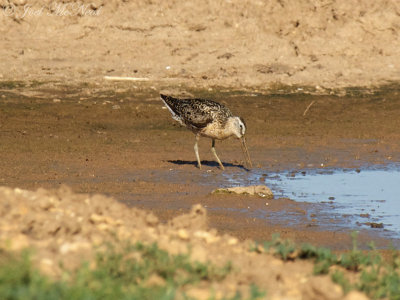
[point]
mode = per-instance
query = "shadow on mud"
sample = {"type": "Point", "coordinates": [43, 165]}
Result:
{"type": "Point", "coordinates": [207, 163]}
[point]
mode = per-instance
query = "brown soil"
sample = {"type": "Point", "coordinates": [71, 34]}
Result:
{"type": "Point", "coordinates": [62, 123]}
{"type": "Point", "coordinates": [139, 155]}
{"type": "Point", "coordinates": [235, 43]}
{"type": "Point", "coordinates": [124, 144]}
{"type": "Point", "coordinates": [66, 228]}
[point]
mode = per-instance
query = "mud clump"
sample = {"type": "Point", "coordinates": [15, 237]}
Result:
{"type": "Point", "coordinates": [68, 228]}
{"type": "Point", "coordinates": [374, 225]}
{"type": "Point", "coordinates": [253, 190]}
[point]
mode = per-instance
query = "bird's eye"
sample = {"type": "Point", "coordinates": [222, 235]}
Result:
{"type": "Point", "coordinates": [241, 129]}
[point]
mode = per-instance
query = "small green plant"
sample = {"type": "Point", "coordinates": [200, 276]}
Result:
{"type": "Point", "coordinates": [324, 258]}
{"type": "Point", "coordinates": [281, 248]}
{"type": "Point", "coordinates": [150, 260]}
{"type": "Point", "coordinates": [339, 278]}
{"type": "Point", "coordinates": [380, 279]}
{"type": "Point", "coordinates": [255, 294]}
{"type": "Point", "coordinates": [19, 280]}
{"type": "Point", "coordinates": [10, 85]}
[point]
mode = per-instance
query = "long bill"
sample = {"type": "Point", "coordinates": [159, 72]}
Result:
{"type": "Point", "coordinates": [246, 151]}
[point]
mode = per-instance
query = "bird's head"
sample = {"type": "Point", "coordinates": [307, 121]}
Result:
{"type": "Point", "coordinates": [239, 130]}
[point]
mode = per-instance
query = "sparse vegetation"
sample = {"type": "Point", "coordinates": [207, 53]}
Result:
{"type": "Point", "coordinates": [10, 85]}
{"type": "Point", "coordinates": [373, 276]}
{"type": "Point", "coordinates": [133, 272]}
{"type": "Point", "coordinates": [146, 272]}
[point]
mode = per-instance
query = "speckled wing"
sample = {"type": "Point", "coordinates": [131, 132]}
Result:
{"type": "Point", "coordinates": [172, 104]}
{"type": "Point", "coordinates": [197, 113]}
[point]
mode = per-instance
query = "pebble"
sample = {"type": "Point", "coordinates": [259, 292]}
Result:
{"type": "Point", "coordinates": [151, 219]}
{"type": "Point", "coordinates": [19, 2]}
{"type": "Point", "coordinates": [47, 203]}
{"type": "Point", "coordinates": [104, 227]}
{"type": "Point", "coordinates": [355, 295]}
{"type": "Point", "coordinates": [198, 293]}
{"type": "Point", "coordinates": [155, 280]}
{"type": "Point", "coordinates": [232, 241]}
{"type": "Point", "coordinates": [73, 247]}
{"type": "Point", "coordinates": [183, 234]}
{"type": "Point", "coordinates": [95, 218]}
{"type": "Point", "coordinates": [46, 265]}
{"type": "Point", "coordinates": [207, 236]}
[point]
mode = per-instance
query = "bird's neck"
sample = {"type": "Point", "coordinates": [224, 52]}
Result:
{"type": "Point", "coordinates": [231, 126]}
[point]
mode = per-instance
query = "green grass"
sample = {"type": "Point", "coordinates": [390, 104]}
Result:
{"type": "Point", "coordinates": [374, 276]}
{"type": "Point", "coordinates": [119, 274]}
{"type": "Point", "coordinates": [10, 85]}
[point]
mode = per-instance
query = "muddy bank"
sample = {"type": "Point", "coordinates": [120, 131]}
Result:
{"type": "Point", "coordinates": [122, 143]}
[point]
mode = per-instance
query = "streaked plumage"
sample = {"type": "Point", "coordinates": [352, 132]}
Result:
{"type": "Point", "coordinates": [207, 118]}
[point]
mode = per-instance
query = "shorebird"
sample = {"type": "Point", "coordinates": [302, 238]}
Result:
{"type": "Point", "coordinates": [209, 119]}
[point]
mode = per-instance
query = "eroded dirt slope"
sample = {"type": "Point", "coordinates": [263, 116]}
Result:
{"type": "Point", "coordinates": [66, 227]}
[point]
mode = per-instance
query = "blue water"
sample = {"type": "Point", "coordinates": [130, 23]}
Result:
{"type": "Point", "coordinates": [366, 195]}
{"type": "Point", "coordinates": [347, 198]}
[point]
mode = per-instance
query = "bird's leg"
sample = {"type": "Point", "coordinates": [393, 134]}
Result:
{"type": "Point", "coordinates": [215, 154]}
{"type": "Point", "coordinates": [196, 150]}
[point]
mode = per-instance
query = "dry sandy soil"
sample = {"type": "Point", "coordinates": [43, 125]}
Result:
{"type": "Point", "coordinates": [233, 43]}
{"type": "Point", "coordinates": [61, 122]}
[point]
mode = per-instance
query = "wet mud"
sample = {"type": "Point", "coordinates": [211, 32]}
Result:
{"type": "Point", "coordinates": [121, 142]}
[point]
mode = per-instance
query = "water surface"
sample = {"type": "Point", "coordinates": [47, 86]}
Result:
{"type": "Point", "coordinates": [369, 197]}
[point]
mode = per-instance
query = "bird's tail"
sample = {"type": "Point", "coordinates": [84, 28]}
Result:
{"type": "Point", "coordinates": [170, 103]}
{"type": "Point", "coordinates": [167, 99]}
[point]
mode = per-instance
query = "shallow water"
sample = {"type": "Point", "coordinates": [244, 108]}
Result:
{"type": "Point", "coordinates": [343, 198]}
{"type": "Point", "coordinates": [367, 197]}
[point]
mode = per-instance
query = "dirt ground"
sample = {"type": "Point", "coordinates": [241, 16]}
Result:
{"type": "Point", "coordinates": [233, 43]}
{"type": "Point", "coordinates": [122, 143]}
{"type": "Point", "coordinates": [63, 123]}
{"type": "Point", "coordinates": [66, 228]}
